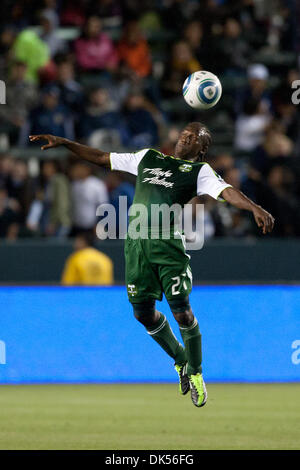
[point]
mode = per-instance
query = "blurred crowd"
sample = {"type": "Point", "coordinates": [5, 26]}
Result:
{"type": "Point", "coordinates": [109, 73]}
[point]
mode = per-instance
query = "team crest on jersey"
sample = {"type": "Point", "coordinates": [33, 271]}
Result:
{"type": "Point", "coordinates": [185, 168]}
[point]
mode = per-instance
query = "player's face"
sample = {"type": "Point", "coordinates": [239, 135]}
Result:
{"type": "Point", "coordinates": [188, 145]}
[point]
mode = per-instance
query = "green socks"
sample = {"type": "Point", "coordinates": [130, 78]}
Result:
{"type": "Point", "coordinates": [191, 337]}
{"type": "Point", "coordinates": [161, 332]}
{"type": "Point", "coordinates": [192, 353]}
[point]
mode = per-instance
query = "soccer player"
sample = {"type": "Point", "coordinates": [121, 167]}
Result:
{"type": "Point", "coordinates": [156, 265]}
{"type": "Point", "coordinates": [87, 266]}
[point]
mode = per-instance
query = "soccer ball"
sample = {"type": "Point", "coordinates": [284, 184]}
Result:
{"type": "Point", "coordinates": [202, 90]}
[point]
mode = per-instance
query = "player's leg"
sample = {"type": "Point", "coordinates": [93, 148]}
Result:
{"type": "Point", "coordinates": [143, 287]}
{"type": "Point", "coordinates": [190, 333]}
{"type": "Point", "coordinates": [159, 329]}
{"type": "Point", "coordinates": [191, 337]}
{"type": "Point", "coordinates": [176, 278]}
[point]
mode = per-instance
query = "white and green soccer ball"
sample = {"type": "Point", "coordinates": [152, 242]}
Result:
{"type": "Point", "coordinates": [202, 90]}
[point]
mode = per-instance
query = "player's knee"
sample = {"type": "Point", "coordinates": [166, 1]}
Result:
{"type": "Point", "coordinates": [182, 311]}
{"type": "Point", "coordinates": [145, 312]}
{"type": "Point", "coordinates": [185, 318]}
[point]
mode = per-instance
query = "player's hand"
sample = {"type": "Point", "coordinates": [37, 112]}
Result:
{"type": "Point", "coordinates": [263, 219]}
{"type": "Point", "coordinates": [53, 140]}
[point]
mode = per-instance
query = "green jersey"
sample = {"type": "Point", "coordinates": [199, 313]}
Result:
{"type": "Point", "coordinates": [164, 183]}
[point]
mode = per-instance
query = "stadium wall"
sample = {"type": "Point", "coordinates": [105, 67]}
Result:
{"type": "Point", "coordinates": [80, 335]}
{"type": "Point", "coordinates": [229, 260]}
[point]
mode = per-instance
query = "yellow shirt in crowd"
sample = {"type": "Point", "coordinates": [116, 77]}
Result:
{"type": "Point", "coordinates": [88, 267]}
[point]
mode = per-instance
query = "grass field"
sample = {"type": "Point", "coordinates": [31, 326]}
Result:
{"type": "Point", "coordinates": [119, 417]}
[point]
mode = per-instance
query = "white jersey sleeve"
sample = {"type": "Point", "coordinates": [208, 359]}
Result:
{"type": "Point", "coordinates": [209, 182]}
{"type": "Point", "coordinates": [128, 162]}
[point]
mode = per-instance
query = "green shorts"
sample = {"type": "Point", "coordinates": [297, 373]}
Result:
{"type": "Point", "coordinates": [157, 266]}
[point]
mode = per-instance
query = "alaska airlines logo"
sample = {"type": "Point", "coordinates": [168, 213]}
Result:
{"type": "Point", "coordinates": [158, 177]}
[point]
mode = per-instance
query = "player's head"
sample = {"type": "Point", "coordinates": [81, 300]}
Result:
{"type": "Point", "coordinates": [193, 142]}
{"type": "Point", "coordinates": [83, 240]}
{"type": "Point", "coordinates": [80, 170]}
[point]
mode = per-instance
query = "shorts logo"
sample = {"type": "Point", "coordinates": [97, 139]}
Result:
{"type": "Point", "coordinates": [132, 290]}
{"type": "Point", "coordinates": [185, 168]}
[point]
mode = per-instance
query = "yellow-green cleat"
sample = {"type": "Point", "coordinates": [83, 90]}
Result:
{"type": "Point", "coordinates": [184, 384]}
{"type": "Point", "coordinates": [198, 390]}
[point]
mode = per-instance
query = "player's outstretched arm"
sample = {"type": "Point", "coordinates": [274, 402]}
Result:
{"type": "Point", "coordinates": [83, 151]}
{"type": "Point", "coordinates": [262, 218]}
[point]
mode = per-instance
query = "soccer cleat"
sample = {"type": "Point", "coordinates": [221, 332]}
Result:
{"type": "Point", "coordinates": [198, 390]}
{"type": "Point", "coordinates": [184, 384]}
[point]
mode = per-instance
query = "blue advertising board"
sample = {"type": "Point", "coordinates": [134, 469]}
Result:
{"type": "Point", "coordinates": [89, 334]}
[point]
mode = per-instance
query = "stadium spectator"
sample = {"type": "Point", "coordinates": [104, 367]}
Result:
{"type": "Point", "coordinates": [202, 47]}
{"type": "Point", "coordinates": [109, 10]}
{"type": "Point", "coordinates": [56, 215]}
{"type": "Point", "coordinates": [51, 117]}
{"type": "Point", "coordinates": [17, 13]}
{"type": "Point", "coordinates": [100, 113]}
{"type": "Point", "coordinates": [140, 126]}
{"type": "Point", "coordinates": [9, 216]}
{"type": "Point", "coordinates": [87, 265]}
{"type": "Point", "coordinates": [6, 166]}
{"type": "Point", "coordinates": [150, 21]}
{"type": "Point", "coordinates": [250, 126]}
{"type": "Point", "coordinates": [175, 13]}
{"type": "Point", "coordinates": [285, 204]}
{"type": "Point", "coordinates": [182, 63]}
{"type": "Point", "coordinates": [276, 147]}
{"type": "Point", "coordinates": [34, 222]}
{"type": "Point", "coordinates": [278, 193]}
{"type": "Point", "coordinates": [256, 88]}
{"type": "Point", "coordinates": [71, 93]}
{"type": "Point", "coordinates": [222, 162]}
{"type": "Point", "coordinates": [21, 97]}
{"type": "Point", "coordinates": [31, 50]}
{"type": "Point", "coordinates": [234, 51]}
{"type": "Point", "coordinates": [49, 23]}
{"type": "Point", "coordinates": [258, 76]}
{"type": "Point", "coordinates": [134, 51]}
{"type": "Point", "coordinates": [7, 37]}
{"type": "Point", "coordinates": [20, 187]}
{"type": "Point", "coordinates": [94, 50]}
{"type": "Point", "coordinates": [88, 192]}
{"type": "Point", "coordinates": [73, 13]}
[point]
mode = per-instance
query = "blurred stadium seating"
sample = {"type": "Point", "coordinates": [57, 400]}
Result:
{"type": "Point", "coordinates": [176, 38]}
